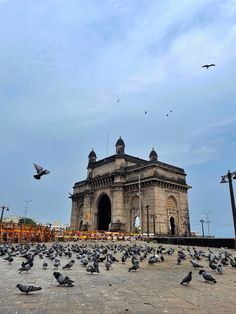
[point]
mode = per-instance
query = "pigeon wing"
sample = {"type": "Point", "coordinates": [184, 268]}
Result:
{"type": "Point", "coordinates": [46, 171]}
{"type": "Point", "coordinates": [38, 168]}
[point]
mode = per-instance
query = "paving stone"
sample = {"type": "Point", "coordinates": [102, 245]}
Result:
{"type": "Point", "coordinates": [151, 289]}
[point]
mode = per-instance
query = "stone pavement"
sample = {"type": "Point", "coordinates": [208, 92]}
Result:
{"type": "Point", "coordinates": [152, 289]}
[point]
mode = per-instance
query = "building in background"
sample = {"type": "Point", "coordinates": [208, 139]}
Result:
{"type": "Point", "coordinates": [121, 188]}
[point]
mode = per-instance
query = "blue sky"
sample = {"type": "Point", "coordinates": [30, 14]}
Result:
{"type": "Point", "coordinates": [64, 64]}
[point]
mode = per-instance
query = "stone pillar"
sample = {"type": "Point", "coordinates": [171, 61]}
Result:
{"type": "Point", "coordinates": [74, 223]}
{"type": "Point", "coordinates": [87, 216]}
{"type": "Point", "coordinates": [184, 215]}
{"type": "Point", "coordinates": [118, 215]}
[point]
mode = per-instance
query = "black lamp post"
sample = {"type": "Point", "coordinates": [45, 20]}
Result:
{"type": "Point", "coordinates": [228, 178]}
{"type": "Point", "coordinates": [202, 222]}
{"type": "Point", "coordinates": [147, 208]}
{"type": "Point", "coordinates": [154, 223]}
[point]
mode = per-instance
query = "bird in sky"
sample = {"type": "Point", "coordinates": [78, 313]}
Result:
{"type": "Point", "coordinates": [169, 113]}
{"type": "Point", "coordinates": [27, 288]}
{"type": "Point", "coordinates": [118, 100]}
{"type": "Point", "coordinates": [40, 172]}
{"type": "Point", "coordinates": [207, 66]}
{"type": "Point", "coordinates": [187, 279]}
{"type": "Point", "coordinates": [145, 112]}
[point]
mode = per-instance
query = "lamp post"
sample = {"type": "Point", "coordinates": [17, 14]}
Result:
{"type": "Point", "coordinates": [202, 222]}
{"type": "Point", "coordinates": [139, 203]}
{"type": "Point", "coordinates": [147, 208]}
{"type": "Point", "coordinates": [3, 208]}
{"type": "Point", "coordinates": [228, 178]}
{"type": "Point", "coordinates": [154, 223]}
{"type": "Point", "coordinates": [208, 222]}
{"type": "Point", "coordinates": [26, 208]}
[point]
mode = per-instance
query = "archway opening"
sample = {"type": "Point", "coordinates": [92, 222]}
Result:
{"type": "Point", "coordinates": [137, 227]}
{"type": "Point", "coordinates": [104, 213]}
{"type": "Point", "coordinates": [172, 225]}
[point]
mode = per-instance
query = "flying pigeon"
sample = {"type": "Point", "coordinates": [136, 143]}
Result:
{"type": "Point", "coordinates": [169, 113]}
{"type": "Point", "coordinates": [27, 288]}
{"type": "Point", "coordinates": [208, 65]}
{"type": "Point", "coordinates": [63, 280]}
{"type": "Point", "coordinates": [187, 279]}
{"type": "Point", "coordinates": [40, 172]}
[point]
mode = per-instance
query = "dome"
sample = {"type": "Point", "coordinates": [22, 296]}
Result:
{"type": "Point", "coordinates": [92, 154]}
{"type": "Point", "coordinates": [153, 155]}
{"type": "Point", "coordinates": [120, 142]}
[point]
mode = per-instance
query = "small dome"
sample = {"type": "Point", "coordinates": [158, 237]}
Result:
{"type": "Point", "coordinates": [120, 142]}
{"type": "Point", "coordinates": [153, 155]}
{"type": "Point", "coordinates": [92, 154]}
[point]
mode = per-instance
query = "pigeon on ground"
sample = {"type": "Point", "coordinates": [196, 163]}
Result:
{"type": "Point", "coordinates": [232, 262]}
{"type": "Point", "coordinates": [10, 260]}
{"type": "Point", "coordinates": [91, 269]}
{"type": "Point", "coordinates": [27, 288]}
{"type": "Point", "coordinates": [108, 264]}
{"type": "Point", "coordinates": [56, 263]}
{"type": "Point", "coordinates": [187, 279]}
{"type": "Point", "coordinates": [206, 276]}
{"type": "Point", "coordinates": [40, 172]}
{"type": "Point", "coordinates": [45, 265]}
{"type": "Point", "coordinates": [134, 267]}
{"type": "Point", "coordinates": [195, 265]}
{"type": "Point", "coordinates": [69, 265]}
{"type": "Point", "coordinates": [63, 280]}
{"type": "Point", "coordinates": [179, 260]}
{"type": "Point", "coordinates": [26, 267]}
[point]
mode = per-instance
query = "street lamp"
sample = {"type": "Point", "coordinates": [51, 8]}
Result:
{"type": "Point", "coordinates": [147, 208]}
{"type": "Point", "coordinates": [208, 222]}
{"type": "Point", "coordinates": [228, 178]}
{"type": "Point", "coordinates": [3, 208]}
{"type": "Point", "coordinates": [154, 223]}
{"type": "Point", "coordinates": [139, 204]}
{"type": "Point", "coordinates": [26, 207]}
{"type": "Point", "coordinates": [202, 222]}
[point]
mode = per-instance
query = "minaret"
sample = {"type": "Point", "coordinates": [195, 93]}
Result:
{"type": "Point", "coordinates": [120, 147]}
{"type": "Point", "coordinates": [153, 155]}
{"type": "Point", "coordinates": [92, 157]}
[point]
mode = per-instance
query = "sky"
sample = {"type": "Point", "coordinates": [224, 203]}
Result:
{"type": "Point", "coordinates": [64, 65]}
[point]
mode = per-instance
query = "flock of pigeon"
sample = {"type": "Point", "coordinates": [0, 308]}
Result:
{"type": "Point", "coordinates": [41, 171]}
{"type": "Point", "coordinates": [91, 255]}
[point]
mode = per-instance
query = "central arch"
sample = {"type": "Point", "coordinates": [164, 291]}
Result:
{"type": "Point", "coordinates": [104, 213]}
{"type": "Point", "coordinates": [172, 225]}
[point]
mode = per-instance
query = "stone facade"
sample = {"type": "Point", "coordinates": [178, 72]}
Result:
{"type": "Point", "coordinates": [120, 188]}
